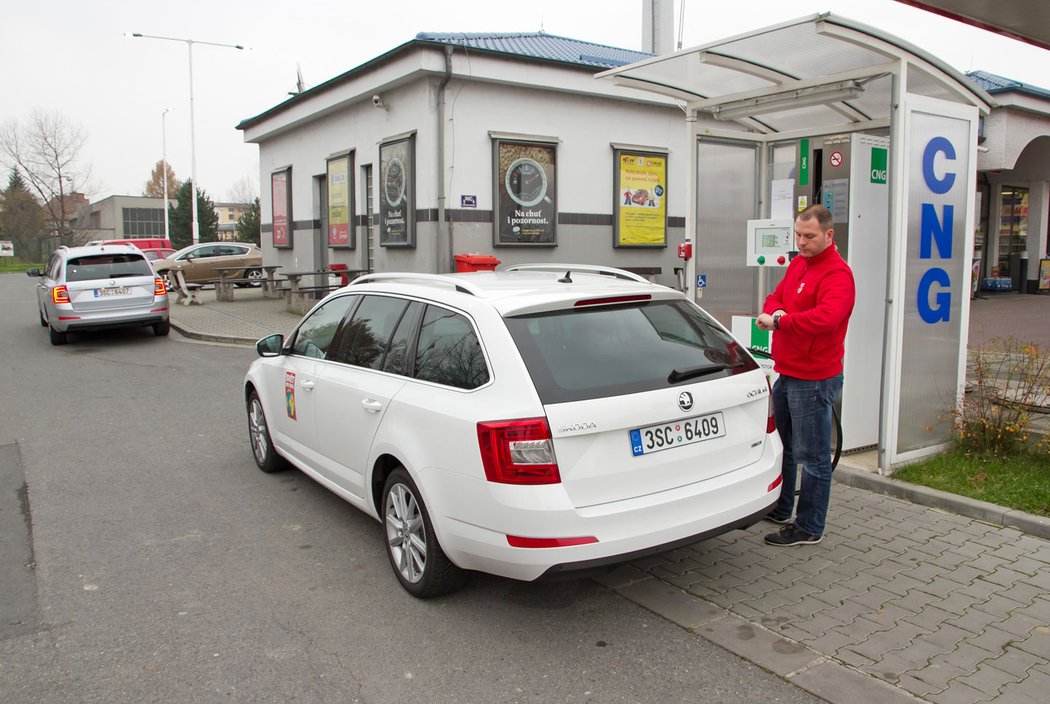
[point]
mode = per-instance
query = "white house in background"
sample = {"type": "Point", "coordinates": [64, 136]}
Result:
{"type": "Point", "coordinates": [502, 144]}
{"type": "Point", "coordinates": [447, 143]}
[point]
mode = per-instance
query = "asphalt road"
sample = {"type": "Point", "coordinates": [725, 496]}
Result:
{"type": "Point", "coordinates": [160, 565]}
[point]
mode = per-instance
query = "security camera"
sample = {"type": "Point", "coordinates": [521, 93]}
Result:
{"type": "Point", "coordinates": [377, 101]}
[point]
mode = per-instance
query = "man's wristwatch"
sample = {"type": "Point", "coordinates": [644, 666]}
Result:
{"type": "Point", "coordinates": [776, 320]}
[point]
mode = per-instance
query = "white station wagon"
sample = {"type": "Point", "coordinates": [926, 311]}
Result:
{"type": "Point", "coordinates": [531, 422]}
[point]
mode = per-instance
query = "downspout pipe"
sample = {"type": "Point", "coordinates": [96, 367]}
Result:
{"type": "Point", "coordinates": [441, 225]}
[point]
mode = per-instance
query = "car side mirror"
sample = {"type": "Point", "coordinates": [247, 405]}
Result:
{"type": "Point", "coordinates": [270, 346]}
{"type": "Point", "coordinates": [34, 272]}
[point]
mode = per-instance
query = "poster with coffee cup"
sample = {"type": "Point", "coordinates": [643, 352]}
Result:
{"type": "Point", "coordinates": [526, 205]}
{"type": "Point", "coordinates": [397, 209]}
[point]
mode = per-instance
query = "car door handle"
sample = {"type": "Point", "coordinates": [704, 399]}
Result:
{"type": "Point", "coordinates": [371, 405]}
{"type": "Point", "coordinates": [307, 384]}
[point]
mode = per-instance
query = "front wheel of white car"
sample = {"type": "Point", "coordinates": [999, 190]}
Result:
{"type": "Point", "coordinates": [418, 561]}
{"type": "Point", "coordinates": [259, 434]}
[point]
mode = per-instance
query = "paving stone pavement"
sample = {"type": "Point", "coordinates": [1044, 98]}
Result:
{"type": "Point", "coordinates": [941, 607]}
{"type": "Point", "coordinates": [900, 601]}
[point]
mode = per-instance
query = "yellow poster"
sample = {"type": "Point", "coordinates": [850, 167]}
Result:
{"type": "Point", "coordinates": [339, 202]}
{"type": "Point", "coordinates": [641, 196]}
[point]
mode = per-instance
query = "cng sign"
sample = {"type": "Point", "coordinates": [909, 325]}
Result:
{"type": "Point", "coordinates": [939, 164]}
{"type": "Point", "coordinates": [878, 165]}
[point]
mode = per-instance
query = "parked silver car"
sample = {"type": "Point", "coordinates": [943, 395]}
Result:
{"type": "Point", "coordinates": [100, 287]}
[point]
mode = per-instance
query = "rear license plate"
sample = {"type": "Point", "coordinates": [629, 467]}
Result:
{"type": "Point", "coordinates": [664, 436]}
{"type": "Point", "coordinates": [116, 291]}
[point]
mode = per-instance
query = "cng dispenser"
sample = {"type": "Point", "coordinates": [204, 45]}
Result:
{"type": "Point", "coordinates": [847, 174]}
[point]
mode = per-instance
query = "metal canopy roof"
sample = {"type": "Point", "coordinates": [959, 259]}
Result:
{"type": "Point", "coordinates": [816, 74]}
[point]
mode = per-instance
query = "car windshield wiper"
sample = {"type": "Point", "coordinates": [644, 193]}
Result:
{"type": "Point", "coordinates": [699, 370]}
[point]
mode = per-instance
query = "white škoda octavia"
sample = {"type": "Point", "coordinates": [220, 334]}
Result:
{"type": "Point", "coordinates": [530, 422]}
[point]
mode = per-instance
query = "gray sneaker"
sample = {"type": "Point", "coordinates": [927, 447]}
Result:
{"type": "Point", "coordinates": [792, 535]}
{"type": "Point", "coordinates": [782, 520]}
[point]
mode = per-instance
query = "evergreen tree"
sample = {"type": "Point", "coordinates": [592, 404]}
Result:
{"type": "Point", "coordinates": [21, 218]}
{"type": "Point", "coordinates": [180, 218]}
{"type": "Point", "coordinates": [248, 226]}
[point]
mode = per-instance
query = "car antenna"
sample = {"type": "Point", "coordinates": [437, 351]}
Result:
{"type": "Point", "coordinates": [567, 279]}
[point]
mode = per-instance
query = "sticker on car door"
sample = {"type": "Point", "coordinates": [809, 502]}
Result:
{"type": "Point", "coordinates": [289, 394]}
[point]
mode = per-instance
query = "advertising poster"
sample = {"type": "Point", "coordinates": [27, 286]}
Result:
{"type": "Point", "coordinates": [397, 210]}
{"type": "Point", "coordinates": [1044, 274]}
{"type": "Point", "coordinates": [526, 209]}
{"type": "Point", "coordinates": [641, 199]}
{"type": "Point", "coordinates": [281, 200]}
{"type": "Point", "coordinates": [7, 248]}
{"type": "Point", "coordinates": [340, 205]}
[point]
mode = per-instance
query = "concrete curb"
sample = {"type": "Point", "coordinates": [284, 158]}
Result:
{"type": "Point", "coordinates": [994, 514]}
{"type": "Point", "coordinates": [210, 337]}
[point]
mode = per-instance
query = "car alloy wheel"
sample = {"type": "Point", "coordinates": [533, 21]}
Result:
{"type": "Point", "coordinates": [259, 434]}
{"type": "Point", "coordinates": [418, 561]}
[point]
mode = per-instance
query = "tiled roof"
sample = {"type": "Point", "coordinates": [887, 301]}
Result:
{"type": "Point", "coordinates": [540, 45]}
{"type": "Point", "coordinates": [993, 84]}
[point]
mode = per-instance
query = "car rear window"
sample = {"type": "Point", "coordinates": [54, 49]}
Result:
{"type": "Point", "coordinates": [576, 354]}
{"type": "Point", "coordinates": [106, 266]}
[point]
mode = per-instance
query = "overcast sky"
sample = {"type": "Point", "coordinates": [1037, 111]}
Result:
{"type": "Point", "coordinates": [72, 57]}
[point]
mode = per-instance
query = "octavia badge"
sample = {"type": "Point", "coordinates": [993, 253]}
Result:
{"type": "Point", "coordinates": [685, 400]}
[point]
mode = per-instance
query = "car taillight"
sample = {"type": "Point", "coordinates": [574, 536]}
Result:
{"type": "Point", "coordinates": [771, 420]}
{"type": "Point", "coordinates": [159, 288]}
{"type": "Point", "coordinates": [60, 294]}
{"type": "Point", "coordinates": [518, 451]}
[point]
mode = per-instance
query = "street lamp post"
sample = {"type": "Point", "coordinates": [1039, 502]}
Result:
{"type": "Point", "coordinates": [164, 167]}
{"type": "Point", "coordinates": [193, 136]}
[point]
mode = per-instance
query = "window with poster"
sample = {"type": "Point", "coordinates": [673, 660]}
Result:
{"type": "Point", "coordinates": [281, 207]}
{"type": "Point", "coordinates": [340, 171]}
{"type": "Point", "coordinates": [525, 181]}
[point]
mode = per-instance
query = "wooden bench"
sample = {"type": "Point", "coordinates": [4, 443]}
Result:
{"type": "Point", "coordinates": [224, 287]}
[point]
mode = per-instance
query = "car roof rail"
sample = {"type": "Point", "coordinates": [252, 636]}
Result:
{"type": "Point", "coordinates": [582, 268]}
{"type": "Point", "coordinates": [461, 286]}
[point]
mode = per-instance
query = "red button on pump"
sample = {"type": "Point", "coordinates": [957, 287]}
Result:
{"type": "Point", "coordinates": [781, 259]}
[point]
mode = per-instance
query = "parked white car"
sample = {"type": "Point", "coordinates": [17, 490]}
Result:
{"type": "Point", "coordinates": [528, 422]}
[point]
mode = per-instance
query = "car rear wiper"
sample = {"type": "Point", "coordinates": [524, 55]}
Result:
{"type": "Point", "coordinates": [699, 370]}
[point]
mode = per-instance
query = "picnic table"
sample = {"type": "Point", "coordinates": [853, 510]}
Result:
{"type": "Point", "coordinates": [224, 286]}
{"type": "Point", "coordinates": [270, 285]}
{"type": "Point", "coordinates": [301, 298]}
{"type": "Point", "coordinates": [187, 293]}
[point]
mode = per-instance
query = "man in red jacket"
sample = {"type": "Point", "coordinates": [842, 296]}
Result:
{"type": "Point", "coordinates": [809, 311]}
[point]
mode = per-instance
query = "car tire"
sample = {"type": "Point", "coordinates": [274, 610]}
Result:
{"type": "Point", "coordinates": [411, 544]}
{"type": "Point", "coordinates": [57, 338]}
{"type": "Point", "coordinates": [162, 329]}
{"type": "Point", "coordinates": [43, 320]}
{"type": "Point", "coordinates": [259, 435]}
{"type": "Point", "coordinates": [256, 276]}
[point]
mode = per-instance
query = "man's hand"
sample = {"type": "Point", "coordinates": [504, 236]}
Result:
{"type": "Point", "coordinates": [765, 320]}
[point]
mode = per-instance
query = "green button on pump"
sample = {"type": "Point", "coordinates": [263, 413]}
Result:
{"type": "Point", "coordinates": [761, 259]}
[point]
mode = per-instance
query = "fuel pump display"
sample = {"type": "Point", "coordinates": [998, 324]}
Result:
{"type": "Point", "coordinates": [770, 242]}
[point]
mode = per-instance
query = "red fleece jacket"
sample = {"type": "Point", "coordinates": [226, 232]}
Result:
{"type": "Point", "coordinates": [817, 296]}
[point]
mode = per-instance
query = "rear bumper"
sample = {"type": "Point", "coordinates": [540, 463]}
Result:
{"type": "Point", "coordinates": [107, 320]}
{"type": "Point", "coordinates": [474, 518]}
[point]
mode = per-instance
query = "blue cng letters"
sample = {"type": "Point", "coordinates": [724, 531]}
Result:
{"type": "Point", "coordinates": [935, 233]}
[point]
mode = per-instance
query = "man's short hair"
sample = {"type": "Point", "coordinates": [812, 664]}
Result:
{"type": "Point", "coordinates": [822, 214]}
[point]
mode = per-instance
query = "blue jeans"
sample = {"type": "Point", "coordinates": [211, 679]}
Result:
{"type": "Point", "coordinates": [803, 411]}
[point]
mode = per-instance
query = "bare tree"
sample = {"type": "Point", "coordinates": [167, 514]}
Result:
{"type": "Point", "coordinates": [244, 191]}
{"type": "Point", "coordinates": [46, 151]}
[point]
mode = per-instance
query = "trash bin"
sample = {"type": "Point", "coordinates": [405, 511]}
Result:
{"type": "Point", "coordinates": [344, 278]}
{"type": "Point", "coordinates": [476, 262]}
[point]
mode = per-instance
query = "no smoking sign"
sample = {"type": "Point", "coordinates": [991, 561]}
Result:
{"type": "Point", "coordinates": [836, 158]}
